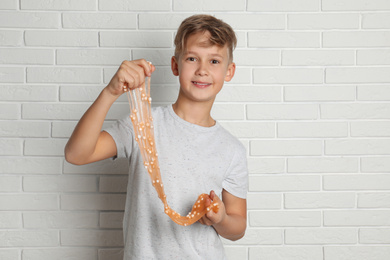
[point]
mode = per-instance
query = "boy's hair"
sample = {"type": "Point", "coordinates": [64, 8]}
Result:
{"type": "Point", "coordinates": [221, 33]}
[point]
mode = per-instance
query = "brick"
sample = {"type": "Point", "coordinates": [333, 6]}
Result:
{"type": "Point", "coordinates": [9, 254]}
{"type": "Point", "coordinates": [119, 166]}
{"type": "Point", "coordinates": [10, 220]}
{"type": "Point", "coordinates": [102, 238]}
{"type": "Point", "coordinates": [99, 20]}
{"type": "Point", "coordinates": [266, 165]}
{"type": "Point", "coordinates": [283, 39]}
{"type": "Point", "coordinates": [245, 129]}
{"type": "Point", "coordinates": [357, 147]}
{"type": "Point", "coordinates": [113, 184]}
{"type": "Point", "coordinates": [235, 252]}
{"type": "Point", "coordinates": [284, 183]}
{"type": "Point", "coordinates": [315, 236]}
{"type": "Point", "coordinates": [318, 57]}
{"type": "Point", "coordinates": [82, 93]}
{"type": "Point", "coordinates": [44, 147]}
{"type": "Point", "coordinates": [10, 111]}
{"type": "Point", "coordinates": [288, 76]}
{"type": "Point", "coordinates": [33, 165]}
{"type": "Point", "coordinates": [264, 201]}
{"type": "Point", "coordinates": [59, 184]}
{"type": "Point", "coordinates": [28, 93]}
{"type": "Point", "coordinates": [24, 128]}
{"type": "Point", "coordinates": [374, 200]}
{"type": "Point", "coordinates": [11, 146]}
{"type": "Point", "coordinates": [11, 38]}
{"type": "Point", "coordinates": [60, 220]}
{"type": "Point", "coordinates": [373, 57]}
{"type": "Point", "coordinates": [204, 5]}
{"type": "Point", "coordinates": [376, 21]}
{"type": "Point", "coordinates": [355, 5]}
{"type": "Point", "coordinates": [142, 39]}
{"type": "Point", "coordinates": [356, 252]}
{"type": "Point", "coordinates": [8, 4]}
{"type": "Point", "coordinates": [110, 254]}
{"type": "Point", "coordinates": [63, 75]}
{"type": "Point", "coordinates": [322, 21]}
{"type": "Point", "coordinates": [59, 253]}
{"type": "Point", "coordinates": [281, 112]}
{"type": "Point", "coordinates": [28, 202]}
{"type": "Point", "coordinates": [370, 129]}
{"type": "Point", "coordinates": [228, 112]}
{"type": "Point", "coordinates": [12, 74]}
{"type": "Point", "coordinates": [319, 200]}
{"type": "Point", "coordinates": [58, 5]}
{"type": "Point", "coordinates": [62, 129]}
{"type": "Point", "coordinates": [93, 201]}
{"type": "Point", "coordinates": [91, 57]}
{"type": "Point", "coordinates": [285, 147]}
{"type": "Point", "coordinates": [241, 76]}
{"type": "Point", "coordinates": [355, 111]}
{"type": "Point", "coordinates": [250, 93]}
{"type": "Point", "coordinates": [283, 6]}
{"type": "Point", "coordinates": [375, 93]}
{"type": "Point", "coordinates": [10, 238]}
{"type": "Point", "coordinates": [357, 182]}
{"type": "Point", "coordinates": [322, 165]}
{"type": "Point", "coordinates": [111, 219]}
{"type": "Point", "coordinates": [375, 164]}
{"type": "Point", "coordinates": [257, 57]}
{"type": "Point", "coordinates": [284, 219]}
{"type": "Point", "coordinates": [357, 218]}
{"type": "Point", "coordinates": [133, 5]}
{"type": "Point", "coordinates": [53, 110]}
{"type": "Point", "coordinates": [254, 21]}
{"type": "Point", "coordinates": [257, 236]}
{"type": "Point", "coordinates": [29, 20]}
{"type": "Point", "coordinates": [170, 21]}
{"type": "Point", "coordinates": [358, 75]}
{"type": "Point", "coordinates": [159, 57]}
{"type": "Point", "coordinates": [287, 252]}
{"type": "Point", "coordinates": [59, 38]}
{"type": "Point", "coordinates": [10, 184]}
{"type": "Point", "coordinates": [312, 129]}
{"type": "Point", "coordinates": [352, 39]}
{"type": "Point", "coordinates": [374, 236]}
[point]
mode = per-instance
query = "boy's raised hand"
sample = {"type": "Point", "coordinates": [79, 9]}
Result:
{"type": "Point", "coordinates": [130, 75]}
{"type": "Point", "coordinates": [211, 217]}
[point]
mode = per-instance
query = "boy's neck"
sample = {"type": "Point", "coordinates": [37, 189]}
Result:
{"type": "Point", "coordinates": [194, 112]}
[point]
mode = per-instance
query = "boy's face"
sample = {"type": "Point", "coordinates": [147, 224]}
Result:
{"type": "Point", "coordinates": [202, 68]}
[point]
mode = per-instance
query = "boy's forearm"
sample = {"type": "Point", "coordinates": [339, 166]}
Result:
{"type": "Point", "coordinates": [84, 137]}
{"type": "Point", "coordinates": [232, 227]}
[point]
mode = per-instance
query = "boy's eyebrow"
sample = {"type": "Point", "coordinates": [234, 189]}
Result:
{"type": "Point", "coordinates": [211, 55]}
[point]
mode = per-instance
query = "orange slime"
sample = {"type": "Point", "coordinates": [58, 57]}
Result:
{"type": "Point", "coordinates": [142, 120]}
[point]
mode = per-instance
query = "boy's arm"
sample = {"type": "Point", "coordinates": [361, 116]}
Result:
{"type": "Point", "coordinates": [88, 143]}
{"type": "Point", "coordinates": [230, 220]}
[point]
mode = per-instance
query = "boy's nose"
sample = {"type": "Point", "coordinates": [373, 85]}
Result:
{"type": "Point", "coordinates": [202, 70]}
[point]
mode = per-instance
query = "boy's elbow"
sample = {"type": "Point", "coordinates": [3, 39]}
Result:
{"type": "Point", "coordinates": [72, 158]}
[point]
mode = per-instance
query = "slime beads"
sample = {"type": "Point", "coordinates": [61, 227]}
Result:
{"type": "Point", "coordinates": [142, 120]}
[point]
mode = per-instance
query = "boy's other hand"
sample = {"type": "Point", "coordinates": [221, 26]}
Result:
{"type": "Point", "coordinates": [130, 75]}
{"type": "Point", "coordinates": [211, 217]}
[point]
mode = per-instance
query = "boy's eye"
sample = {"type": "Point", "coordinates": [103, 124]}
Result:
{"type": "Point", "coordinates": [214, 61]}
{"type": "Point", "coordinates": [191, 59]}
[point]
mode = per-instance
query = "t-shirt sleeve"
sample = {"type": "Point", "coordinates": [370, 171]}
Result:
{"type": "Point", "coordinates": [122, 133]}
{"type": "Point", "coordinates": [236, 181]}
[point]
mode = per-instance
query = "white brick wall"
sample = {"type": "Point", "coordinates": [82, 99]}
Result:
{"type": "Point", "coordinates": [310, 101]}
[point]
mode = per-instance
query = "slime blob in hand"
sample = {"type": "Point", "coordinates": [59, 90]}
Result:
{"type": "Point", "coordinates": [142, 120]}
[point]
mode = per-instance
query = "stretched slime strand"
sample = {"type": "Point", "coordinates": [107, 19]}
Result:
{"type": "Point", "coordinates": [142, 120]}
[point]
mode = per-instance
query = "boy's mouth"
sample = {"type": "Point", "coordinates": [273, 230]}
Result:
{"type": "Point", "coordinates": [201, 84]}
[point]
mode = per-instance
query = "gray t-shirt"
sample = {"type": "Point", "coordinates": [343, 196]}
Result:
{"type": "Point", "coordinates": [193, 160]}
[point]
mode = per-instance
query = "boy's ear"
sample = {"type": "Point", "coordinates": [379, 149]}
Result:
{"type": "Point", "coordinates": [174, 66]}
{"type": "Point", "coordinates": [230, 72]}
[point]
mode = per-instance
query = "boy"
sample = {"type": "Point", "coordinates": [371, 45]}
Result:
{"type": "Point", "coordinates": [196, 154]}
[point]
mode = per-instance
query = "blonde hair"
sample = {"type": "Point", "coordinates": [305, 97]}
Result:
{"type": "Point", "coordinates": [221, 33]}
